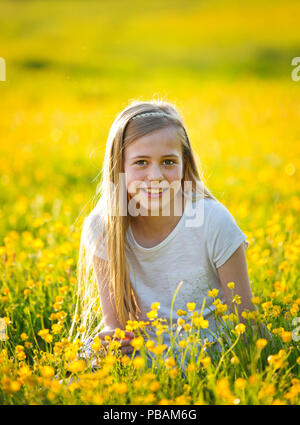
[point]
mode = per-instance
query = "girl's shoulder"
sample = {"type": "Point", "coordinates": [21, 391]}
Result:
{"type": "Point", "coordinates": [221, 226]}
{"type": "Point", "coordinates": [215, 211]}
{"type": "Point", "coordinates": [213, 214]}
{"type": "Point", "coordinates": [211, 208]}
{"type": "Point", "coordinates": [93, 226]}
{"type": "Point", "coordinates": [93, 221]}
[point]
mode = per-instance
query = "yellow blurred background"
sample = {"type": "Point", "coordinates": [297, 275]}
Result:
{"type": "Point", "coordinates": [71, 66]}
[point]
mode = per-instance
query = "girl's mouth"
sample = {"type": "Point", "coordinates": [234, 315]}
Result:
{"type": "Point", "coordinates": [154, 193]}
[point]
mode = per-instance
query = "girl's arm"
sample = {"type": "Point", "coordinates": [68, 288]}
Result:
{"type": "Point", "coordinates": [235, 270]}
{"type": "Point", "coordinates": [108, 309]}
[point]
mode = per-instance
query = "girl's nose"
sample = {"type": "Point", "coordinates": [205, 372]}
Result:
{"type": "Point", "coordinates": [155, 173]}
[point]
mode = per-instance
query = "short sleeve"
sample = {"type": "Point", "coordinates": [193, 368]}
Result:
{"type": "Point", "coordinates": [223, 234]}
{"type": "Point", "coordinates": [93, 236]}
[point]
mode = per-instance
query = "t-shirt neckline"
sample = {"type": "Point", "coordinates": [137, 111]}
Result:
{"type": "Point", "coordinates": [167, 239]}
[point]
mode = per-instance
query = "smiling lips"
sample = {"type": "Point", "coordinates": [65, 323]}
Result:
{"type": "Point", "coordinates": [154, 193]}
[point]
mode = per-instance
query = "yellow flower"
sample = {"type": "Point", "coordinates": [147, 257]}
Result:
{"type": "Point", "coordinates": [240, 383]}
{"type": "Point", "coordinates": [43, 332]}
{"type": "Point", "coordinates": [223, 390]}
{"type": "Point", "coordinates": [47, 371]}
{"type": "Point", "coordinates": [114, 345]}
{"type": "Point", "coordinates": [199, 322]}
{"type": "Point", "coordinates": [73, 386]}
{"type": "Point", "coordinates": [6, 320]}
{"type": "Point", "coordinates": [220, 308]}
{"type": "Point", "coordinates": [148, 399]}
{"type": "Point", "coordinates": [286, 336]}
{"type": "Point", "coordinates": [266, 390]}
{"type": "Point", "coordinates": [261, 343]}
{"type": "Point", "coordinates": [96, 346]}
{"type": "Point", "coordinates": [256, 300]}
{"type": "Point", "coordinates": [138, 362]}
{"type": "Point", "coordinates": [253, 379]}
{"type": "Point", "coordinates": [154, 386]}
{"type": "Point", "coordinates": [165, 402]}
{"type": "Point", "coordinates": [236, 299]}
{"type": "Point", "coordinates": [173, 372]}
{"type": "Point", "coordinates": [191, 306]}
{"type": "Point", "coordinates": [137, 385]}
{"type": "Point", "coordinates": [191, 367]}
{"type": "Point", "coordinates": [77, 366]}
{"type": "Point", "coordinates": [278, 402]}
{"type": "Point", "coordinates": [59, 299]}
{"type": "Point", "coordinates": [230, 285]}
{"type": "Point", "coordinates": [15, 386]}
{"type": "Point", "coordinates": [152, 314]}
{"type": "Point", "coordinates": [56, 328]}
{"type": "Point", "coordinates": [213, 293]}
{"type": "Point", "coordinates": [245, 315]}
{"type": "Point", "coordinates": [48, 338]}
{"type": "Point", "coordinates": [137, 342]}
{"type": "Point", "coordinates": [267, 305]}
{"type": "Point", "coordinates": [233, 317]}
{"type": "Point", "coordinates": [19, 348]}
{"type": "Point", "coordinates": [120, 334]}
{"type": "Point", "coordinates": [149, 377]}
{"type": "Point", "coordinates": [180, 322]}
{"type": "Point", "coordinates": [125, 360]}
{"type": "Point", "coordinates": [277, 331]}
{"type": "Point", "coordinates": [183, 343]}
{"type": "Point", "coordinates": [120, 388]}
{"type": "Point", "coordinates": [159, 349]}
{"type": "Point", "coordinates": [150, 344]}
{"type": "Point", "coordinates": [24, 371]}
{"type": "Point", "coordinates": [170, 362]}
{"type": "Point", "coordinates": [20, 355]}
{"type": "Point", "coordinates": [234, 360]}
{"type": "Point", "coordinates": [181, 313]}
{"type": "Point", "coordinates": [277, 360]}
{"type": "Point", "coordinates": [60, 315]}
{"type": "Point", "coordinates": [155, 306]}
{"type": "Point", "coordinates": [206, 361]}
{"type": "Point", "coordinates": [239, 329]}
{"type": "Point", "coordinates": [56, 306]}
{"type": "Point", "coordinates": [24, 336]}
{"type": "Point", "coordinates": [181, 399]}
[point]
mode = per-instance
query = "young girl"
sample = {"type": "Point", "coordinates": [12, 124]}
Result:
{"type": "Point", "coordinates": [154, 226]}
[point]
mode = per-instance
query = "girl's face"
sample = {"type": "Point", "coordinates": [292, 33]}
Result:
{"type": "Point", "coordinates": [155, 162]}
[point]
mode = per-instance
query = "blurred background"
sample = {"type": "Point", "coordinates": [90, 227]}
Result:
{"type": "Point", "coordinates": [72, 66]}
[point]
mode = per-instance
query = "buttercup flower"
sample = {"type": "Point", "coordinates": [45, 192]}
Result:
{"type": "Point", "coordinates": [213, 293]}
{"type": "Point", "coordinates": [230, 285]}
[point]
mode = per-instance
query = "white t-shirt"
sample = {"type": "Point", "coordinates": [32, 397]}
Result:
{"type": "Point", "coordinates": [205, 237]}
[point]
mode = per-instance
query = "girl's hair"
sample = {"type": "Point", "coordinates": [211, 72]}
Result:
{"type": "Point", "coordinates": [123, 132]}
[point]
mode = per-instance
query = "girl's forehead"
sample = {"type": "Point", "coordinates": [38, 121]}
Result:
{"type": "Point", "coordinates": [156, 141]}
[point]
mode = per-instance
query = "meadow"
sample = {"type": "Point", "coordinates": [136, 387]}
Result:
{"type": "Point", "coordinates": [71, 66]}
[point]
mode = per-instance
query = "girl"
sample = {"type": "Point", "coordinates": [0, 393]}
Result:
{"type": "Point", "coordinates": [155, 225]}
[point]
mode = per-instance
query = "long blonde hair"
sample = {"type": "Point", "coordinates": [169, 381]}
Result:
{"type": "Point", "coordinates": [123, 132]}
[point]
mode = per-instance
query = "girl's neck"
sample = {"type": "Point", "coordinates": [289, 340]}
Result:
{"type": "Point", "coordinates": [152, 227]}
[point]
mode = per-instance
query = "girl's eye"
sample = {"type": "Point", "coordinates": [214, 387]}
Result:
{"type": "Point", "coordinates": [140, 160]}
{"type": "Point", "coordinates": [170, 160]}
